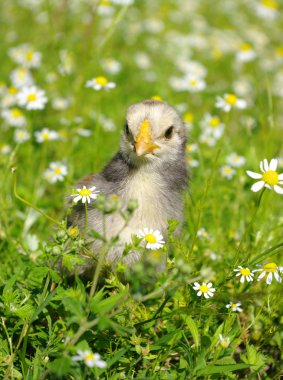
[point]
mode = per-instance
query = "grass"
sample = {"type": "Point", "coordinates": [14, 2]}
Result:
{"type": "Point", "coordinates": [145, 325]}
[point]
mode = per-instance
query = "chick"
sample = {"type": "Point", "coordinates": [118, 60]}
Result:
{"type": "Point", "coordinates": [149, 167]}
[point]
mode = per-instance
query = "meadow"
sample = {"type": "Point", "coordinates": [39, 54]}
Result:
{"type": "Point", "coordinates": [69, 70]}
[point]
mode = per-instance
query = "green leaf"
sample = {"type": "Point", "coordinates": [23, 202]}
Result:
{"type": "Point", "coordinates": [225, 360]}
{"type": "Point", "coordinates": [60, 366]}
{"type": "Point", "coordinates": [118, 355]}
{"type": "Point", "coordinates": [73, 305]}
{"type": "Point", "coordinates": [25, 312]}
{"type": "Point", "coordinates": [107, 304]}
{"type": "Point", "coordinates": [212, 369]}
{"type": "Point", "coordinates": [97, 235]}
{"type": "Point", "coordinates": [253, 357]}
{"type": "Point", "coordinates": [193, 329]}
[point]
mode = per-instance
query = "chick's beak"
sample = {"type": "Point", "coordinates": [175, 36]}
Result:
{"type": "Point", "coordinates": [144, 143]}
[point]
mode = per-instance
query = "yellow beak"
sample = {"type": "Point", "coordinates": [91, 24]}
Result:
{"type": "Point", "coordinates": [144, 143]}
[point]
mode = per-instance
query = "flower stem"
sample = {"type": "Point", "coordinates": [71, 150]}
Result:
{"type": "Point", "coordinates": [86, 219]}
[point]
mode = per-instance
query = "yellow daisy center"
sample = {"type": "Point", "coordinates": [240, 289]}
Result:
{"type": "Point", "coordinates": [193, 82]}
{"type": "Point", "coordinates": [157, 97]}
{"type": "Point", "coordinates": [102, 81]}
{"type": "Point", "coordinates": [214, 122]}
{"type": "Point", "coordinates": [270, 177]}
{"type": "Point", "coordinates": [270, 267]}
{"type": "Point", "coordinates": [29, 55]}
{"type": "Point", "coordinates": [245, 271]}
{"type": "Point", "coordinates": [269, 4]}
{"type": "Point", "coordinates": [73, 232]}
{"type": "Point", "coordinates": [204, 288]}
{"type": "Point", "coordinates": [188, 117]}
{"type": "Point", "coordinates": [150, 238]}
{"type": "Point", "coordinates": [231, 99]}
{"type": "Point", "coordinates": [57, 171]}
{"type": "Point", "coordinates": [45, 136]}
{"type": "Point", "coordinates": [234, 306]}
{"type": "Point", "coordinates": [31, 97]}
{"type": "Point", "coordinates": [245, 47]}
{"type": "Point", "coordinates": [279, 51]}
{"type": "Point", "coordinates": [105, 3]}
{"type": "Point", "coordinates": [85, 192]}
{"type": "Point", "coordinates": [89, 357]}
{"type": "Point", "coordinates": [227, 170]}
{"type": "Point", "coordinates": [224, 343]}
{"type": "Point", "coordinates": [22, 72]}
{"type": "Point", "coordinates": [13, 90]}
{"type": "Point", "coordinates": [16, 113]}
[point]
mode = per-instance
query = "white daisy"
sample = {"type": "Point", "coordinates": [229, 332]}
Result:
{"type": "Point", "coordinates": [203, 234]}
{"type": "Point", "coordinates": [192, 162]}
{"type": "Point", "coordinates": [191, 67]}
{"type": "Point", "coordinates": [56, 172]}
{"type": "Point", "coordinates": [99, 83]}
{"type": "Point", "coordinates": [229, 101]}
{"type": "Point", "coordinates": [60, 104]}
{"type": "Point", "coordinates": [206, 138]}
{"type": "Point", "coordinates": [104, 8]}
{"type": "Point", "coordinates": [66, 65]}
{"type": "Point", "coordinates": [21, 136]}
{"type": "Point", "coordinates": [234, 306]}
{"type": "Point", "coordinates": [85, 195]}
{"type": "Point", "coordinates": [204, 289]}
{"type": "Point", "coordinates": [142, 60]}
{"type": "Point", "coordinates": [267, 9]}
{"type": "Point", "coordinates": [111, 65]}
{"type": "Point", "coordinates": [188, 119]}
{"type": "Point", "coordinates": [152, 239]}
{"type": "Point", "coordinates": [227, 171]}
{"type": "Point", "coordinates": [270, 178]}
{"type": "Point", "coordinates": [21, 77]}
{"type": "Point", "coordinates": [245, 273]}
{"type": "Point", "coordinates": [10, 97]}
{"type": "Point", "coordinates": [193, 83]}
{"type": "Point", "coordinates": [32, 98]}
{"type": "Point", "coordinates": [235, 160]}
{"type": "Point", "coordinates": [90, 359]}
{"type": "Point", "coordinates": [45, 135]}
{"type": "Point", "coordinates": [5, 149]}
{"type": "Point", "coordinates": [25, 56]}
{"type": "Point", "coordinates": [223, 342]}
{"type": "Point", "coordinates": [270, 269]}
{"type": "Point", "coordinates": [122, 2]}
{"type": "Point", "coordinates": [14, 117]}
{"type": "Point", "coordinates": [212, 125]}
{"type": "Point", "coordinates": [245, 53]}
{"type": "Point", "coordinates": [83, 132]}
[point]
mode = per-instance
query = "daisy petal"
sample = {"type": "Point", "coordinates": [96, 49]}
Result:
{"type": "Point", "coordinates": [269, 278]}
{"type": "Point", "coordinates": [261, 166]}
{"type": "Point", "coordinates": [278, 189]}
{"type": "Point", "coordinates": [257, 186]}
{"type": "Point", "coordinates": [277, 277]}
{"type": "Point", "coordinates": [253, 174]}
{"type": "Point", "coordinates": [273, 164]}
{"type": "Point", "coordinates": [265, 165]}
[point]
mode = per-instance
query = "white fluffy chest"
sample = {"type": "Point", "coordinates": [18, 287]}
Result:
{"type": "Point", "coordinates": [153, 201]}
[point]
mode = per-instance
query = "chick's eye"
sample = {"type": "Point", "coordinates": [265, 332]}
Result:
{"type": "Point", "coordinates": [169, 132]}
{"type": "Point", "coordinates": [127, 130]}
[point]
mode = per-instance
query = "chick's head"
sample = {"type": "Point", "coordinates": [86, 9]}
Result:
{"type": "Point", "coordinates": [153, 131]}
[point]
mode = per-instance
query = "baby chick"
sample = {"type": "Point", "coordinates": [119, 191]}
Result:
{"type": "Point", "coordinates": [149, 167]}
